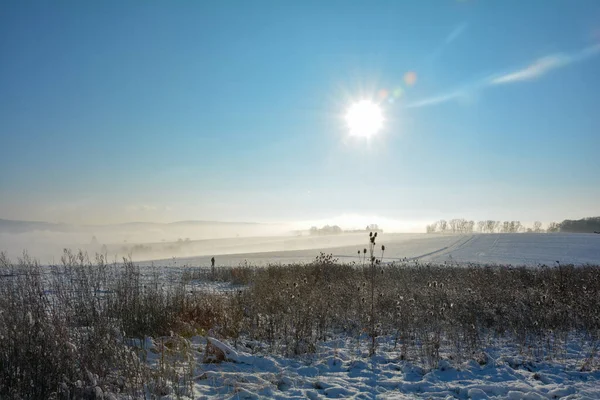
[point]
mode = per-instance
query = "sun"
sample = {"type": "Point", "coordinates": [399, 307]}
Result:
{"type": "Point", "coordinates": [364, 119]}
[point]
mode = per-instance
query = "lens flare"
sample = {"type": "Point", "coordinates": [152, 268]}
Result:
{"type": "Point", "coordinates": [410, 78]}
{"type": "Point", "coordinates": [382, 94]}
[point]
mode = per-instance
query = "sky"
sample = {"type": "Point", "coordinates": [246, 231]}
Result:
{"type": "Point", "coordinates": [118, 111]}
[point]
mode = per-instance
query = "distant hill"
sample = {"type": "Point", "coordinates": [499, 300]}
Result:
{"type": "Point", "coordinates": [15, 226]}
{"type": "Point", "coordinates": [213, 223]}
{"type": "Point", "coordinates": [19, 226]}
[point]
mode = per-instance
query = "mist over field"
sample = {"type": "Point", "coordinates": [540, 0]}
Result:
{"type": "Point", "coordinates": [46, 241]}
{"type": "Point", "coordinates": [194, 243]}
{"type": "Point", "coordinates": [154, 241]}
{"type": "Point", "coordinates": [143, 241]}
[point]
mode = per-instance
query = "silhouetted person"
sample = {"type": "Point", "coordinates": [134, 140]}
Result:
{"type": "Point", "coordinates": [212, 267]}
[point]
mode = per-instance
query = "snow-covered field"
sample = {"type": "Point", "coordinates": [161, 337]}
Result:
{"type": "Point", "coordinates": [514, 249]}
{"type": "Point", "coordinates": [342, 369]}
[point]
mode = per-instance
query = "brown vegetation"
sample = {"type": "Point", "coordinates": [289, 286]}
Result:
{"type": "Point", "coordinates": [64, 329]}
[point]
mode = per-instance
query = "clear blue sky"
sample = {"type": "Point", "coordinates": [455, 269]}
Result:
{"type": "Point", "coordinates": [115, 111]}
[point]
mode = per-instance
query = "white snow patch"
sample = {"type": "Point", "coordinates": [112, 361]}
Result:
{"type": "Point", "coordinates": [340, 370]}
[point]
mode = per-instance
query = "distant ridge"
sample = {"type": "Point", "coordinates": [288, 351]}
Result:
{"type": "Point", "coordinates": [194, 222]}
{"type": "Point", "coordinates": [21, 226]}
{"type": "Point", "coordinates": [16, 226]}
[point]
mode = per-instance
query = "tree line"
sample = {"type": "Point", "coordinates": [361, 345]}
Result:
{"type": "Point", "coordinates": [584, 225]}
{"type": "Point", "coordinates": [335, 230]}
{"type": "Point", "coordinates": [461, 225]}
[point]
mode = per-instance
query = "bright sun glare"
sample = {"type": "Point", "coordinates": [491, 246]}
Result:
{"type": "Point", "coordinates": [364, 118]}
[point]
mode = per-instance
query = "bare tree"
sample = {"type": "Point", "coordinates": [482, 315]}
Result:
{"type": "Point", "coordinates": [553, 227]}
{"type": "Point", "coordinates": [515, 226]}
{"type": "Point", "coordinates": [481, 226]}
{"type": "Point", "coordinates": [453, 223]}
{"type": "Point", "coordinates": [470, 226]}
{"type": "Point", "coordinates": [443, 225]}
{"type": "Point", "coordinates": [496, 227]}
{"type": "Point", "coordinates": [432, 228]}
{"type": "Point", "coordinates": [537, 226]}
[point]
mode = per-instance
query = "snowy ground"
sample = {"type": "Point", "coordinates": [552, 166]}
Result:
{"type": "Point", "coordinates": [515, 249]}
{"type": "Point", "coordinates": [341, 369]}
{"type": "Point", "coordinates": [530, 249]}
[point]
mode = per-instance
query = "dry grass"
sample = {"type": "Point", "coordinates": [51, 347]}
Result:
{"type": "Point", "coordinates": [63, 329]}
{"type": "Point", "coordinates": [423, 306]}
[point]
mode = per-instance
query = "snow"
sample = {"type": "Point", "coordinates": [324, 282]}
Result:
{"type": "Point", "coordinates": [228, 353]}
{"type": "Point", "coordinates": [506, 248]}
{"type": "Point", "coordinates": [525, 249]}
{"type": "Point", "coordinates": [340, 369]}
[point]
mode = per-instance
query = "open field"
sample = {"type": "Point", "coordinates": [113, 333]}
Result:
{"type": "Point", "coordinates": [260, 250]}
{"type": "Point", "coordinates": [321, 330]}
{"type": "Point", "coordinates": [504, 248]}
